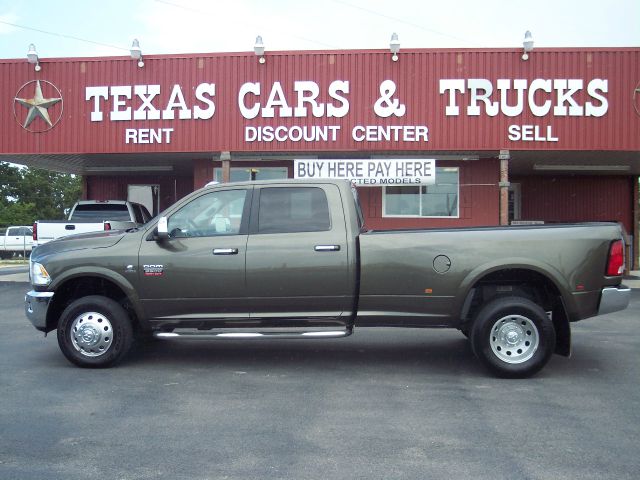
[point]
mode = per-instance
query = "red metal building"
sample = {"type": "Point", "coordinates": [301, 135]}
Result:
{"type": "Point", "coordinates": [552, 138]}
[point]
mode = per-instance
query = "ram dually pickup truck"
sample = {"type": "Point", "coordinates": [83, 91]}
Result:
{"type": "Point", "coordinates": [91, 216]}
{"type": "Point", "coordinates": [292, 259]}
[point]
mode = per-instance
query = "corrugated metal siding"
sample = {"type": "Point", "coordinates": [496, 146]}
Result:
{"type": "Point", "coordinates": [202, 172]}
{"type": "Point", "coordinates": [417, 75]}
{"type": "Point", "coordinates": [479, 200]}
{"type": "Point", "coordinates": [115, 188]}
{"type": "Point", "coordinates": [577, 199]}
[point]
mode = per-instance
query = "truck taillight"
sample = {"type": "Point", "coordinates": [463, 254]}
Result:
{"type": "Point", "coordinates": [615, 264]}
{"type": "Point", "coordinates": [35, 232]}
{"type": "Point", "coordinates": [107, 226]}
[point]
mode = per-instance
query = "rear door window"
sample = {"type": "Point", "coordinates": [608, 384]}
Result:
{"type": "Point", "coordinates": [289, 210]}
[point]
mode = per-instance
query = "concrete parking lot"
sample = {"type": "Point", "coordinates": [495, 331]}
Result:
{"type": "Point", "coordinates": [382, 404]}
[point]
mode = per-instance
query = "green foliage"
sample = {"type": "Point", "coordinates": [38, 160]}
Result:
{"type": "Point", "coordinates": [29, 194]}
{"type": "Point", "coordinates": [9, 179]}
{"type": "Point", "coordinates": [17, 214]}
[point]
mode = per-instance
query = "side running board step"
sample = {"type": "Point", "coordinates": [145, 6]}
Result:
{"type": "Point", "coordinates": [247, 335]}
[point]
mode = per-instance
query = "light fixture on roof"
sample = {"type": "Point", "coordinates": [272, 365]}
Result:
{"type": "Point", "coordinates": [394, 46]}
{"type": "Point", "coordinates": [32, 57]}
{"type": "Point", "coordinates": [258, 48]}
{"type": "Point", "coordinates": [527, 45]}
{"type": "Point", "coordinates": [136, 52]}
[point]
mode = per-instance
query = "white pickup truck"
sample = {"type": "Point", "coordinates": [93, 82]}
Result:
{"type": "Point", "coordinates": [91, 216]}
{"type": "Point", "coordinates": [16, 241]}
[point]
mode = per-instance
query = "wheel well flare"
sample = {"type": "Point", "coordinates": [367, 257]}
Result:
{"type": "Point", "coordinates": [522, 283]}
{"type": "Point", "coordinates": [81, 287]}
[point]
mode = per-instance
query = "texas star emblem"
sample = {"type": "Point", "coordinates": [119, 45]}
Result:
{"type": "Point", "coordinates": [38, 106]}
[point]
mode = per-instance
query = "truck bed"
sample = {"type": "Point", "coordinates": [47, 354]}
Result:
{"type": "Point", "coordinates": [412, 277]}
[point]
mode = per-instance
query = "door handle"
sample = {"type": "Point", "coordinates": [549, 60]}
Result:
{"type": "Point", "coordinates": [327, 248]}
{"type": "Point", "coordinates": [225, 251]}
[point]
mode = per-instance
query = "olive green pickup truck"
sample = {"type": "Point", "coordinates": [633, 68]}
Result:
{"type": "Point", "coordinates": [293, 259]}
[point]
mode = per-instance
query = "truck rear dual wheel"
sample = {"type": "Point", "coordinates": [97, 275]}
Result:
{"type": "Point", "coordinates": [513, 337]}
{"type": "Point", "coordinates": [95, 332]}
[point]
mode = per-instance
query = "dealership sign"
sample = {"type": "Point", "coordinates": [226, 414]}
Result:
{"type": "Point", "coordinates": [274, 104]}
{"type": "Point", "coordinates": [313, 104]}
{"type": "Point", "coordinates": [301, 104]}
{"type": "Point", "coordinates": [370, 172]}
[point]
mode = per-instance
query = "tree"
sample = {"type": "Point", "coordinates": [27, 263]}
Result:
{"type": "Point", "coordinates": [29, 194]}
{"type": "Point", "coordinates": [17, 214]}
{"type": "Point", "coordinates": [9, 179]}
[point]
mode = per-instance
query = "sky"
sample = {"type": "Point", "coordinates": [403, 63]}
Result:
{"type": "Point", "coordinates": [66, 28]}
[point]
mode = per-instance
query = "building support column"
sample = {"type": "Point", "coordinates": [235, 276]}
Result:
{"type": "Point", "coordinates": [636, 220]}
{"type": "Point", "coordinates": [85, 188]}
{"type": "Point", "coordinates": [504, 186]}
{"type": "Point", "coordinates": [225, 158]}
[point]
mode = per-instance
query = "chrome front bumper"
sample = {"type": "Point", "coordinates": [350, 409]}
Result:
{"type": "Point", "coordinates": [35, 307]}
{"type": "Point", "coordinates": [614, 299]}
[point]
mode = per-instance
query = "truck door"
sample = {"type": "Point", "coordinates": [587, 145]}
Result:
{"type": "Point", "coordinates": [13, 239]}
{"type": "Point", "coordinates": [297, 257]}
{"type": "Point", "coordinates": [198, 273]}
{"type": "Point", "coordinates": [18, 239]}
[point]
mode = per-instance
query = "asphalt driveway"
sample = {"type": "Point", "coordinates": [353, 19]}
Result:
{"type": "Point", "coordinates": [382, 404]}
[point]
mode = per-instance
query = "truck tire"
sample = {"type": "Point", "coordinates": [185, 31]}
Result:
{"type": "Point", "coordinates": [95, 332]}
{"type": "Point", "coordinates": [513, 337]}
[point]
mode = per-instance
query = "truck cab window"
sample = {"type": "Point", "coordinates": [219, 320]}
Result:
{"type": "Point", "coordinates": [215, 213]}
{"type": "Point", "coordinates": [101, 212]}
{"type": "Point", "coordinates": [289, 210]}
{"type": "Point", "coordinates": [137, 211]}
{"type": "Point", "coordinates": [146, 216]}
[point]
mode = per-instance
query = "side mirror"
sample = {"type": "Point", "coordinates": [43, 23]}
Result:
{"type": "Point", "coordinates": [162, 230]}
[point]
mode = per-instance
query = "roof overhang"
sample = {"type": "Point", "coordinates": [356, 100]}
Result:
{"type": "Point", "coordinates": [520, 162]}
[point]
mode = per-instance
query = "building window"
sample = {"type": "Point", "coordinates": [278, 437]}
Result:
{"type": "Point", "coordinates": [438, 200]}
{"type": "Point", "coordinates": [243, 174]}
{"type": "Point", "coordinates": [514, 201]}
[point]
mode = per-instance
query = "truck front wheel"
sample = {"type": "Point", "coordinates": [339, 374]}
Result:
{"type": "Point", "coordinates": [94, 331]}
{"type": "Point", "coordinates": [513, 337]}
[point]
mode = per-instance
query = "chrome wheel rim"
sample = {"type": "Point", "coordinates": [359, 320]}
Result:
{"type": "Point", "coordinates": [91, 334]}
{"type": "Point", "coordinates": [514, 339]}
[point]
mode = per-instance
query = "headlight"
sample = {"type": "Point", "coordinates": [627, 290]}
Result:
{"type": "Point", "coordinates": [39, 275]}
